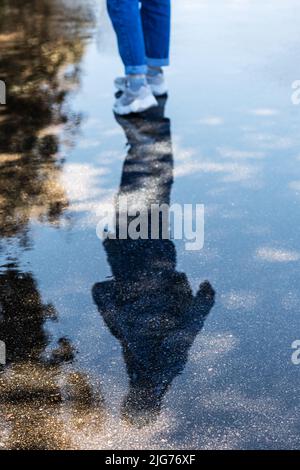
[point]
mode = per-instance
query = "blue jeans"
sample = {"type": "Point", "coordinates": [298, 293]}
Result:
{"type": "Point", "coordinates": [143, 32]}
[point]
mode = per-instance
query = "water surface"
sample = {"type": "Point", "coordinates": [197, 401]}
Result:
{"type": "Point", "coordinates": [146, 345]}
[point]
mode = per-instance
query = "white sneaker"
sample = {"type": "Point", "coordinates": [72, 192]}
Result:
{"type": "Point", "coordinates": [134, 101]}
{"type": "Point", "coordinates": [157, 84]}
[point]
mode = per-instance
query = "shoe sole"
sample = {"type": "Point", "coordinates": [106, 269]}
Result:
{"type": "Point", "coordinates": [157, 90]}
{"type": "Point", "coordinates": [137, 106]}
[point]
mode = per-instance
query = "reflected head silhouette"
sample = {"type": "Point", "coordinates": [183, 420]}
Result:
{"type": "Point", "coordinates": [149, 306]}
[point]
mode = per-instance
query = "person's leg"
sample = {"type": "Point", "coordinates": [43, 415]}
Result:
{"type": "Point", "coordinates": [126, 20]}
{"type": "Point", "coordinates": [156, 22]}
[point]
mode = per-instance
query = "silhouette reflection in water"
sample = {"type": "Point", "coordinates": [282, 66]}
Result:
{"type": "Point", "coordinates": [149, 306]}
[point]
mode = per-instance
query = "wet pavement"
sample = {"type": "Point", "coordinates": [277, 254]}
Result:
{"type": "Point", "coordinates": [143, 344]}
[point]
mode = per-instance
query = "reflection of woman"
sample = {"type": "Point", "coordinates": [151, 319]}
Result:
{"type": "Point", "coordinates": [149, 306]}
{"type": "Point", "coordinates": [143, 33]}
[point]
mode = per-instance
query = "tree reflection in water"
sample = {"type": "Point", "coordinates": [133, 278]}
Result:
{"type": "Point", "coordinates": [41, 46]}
